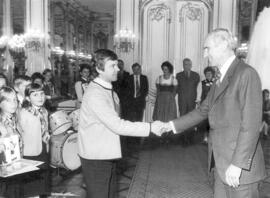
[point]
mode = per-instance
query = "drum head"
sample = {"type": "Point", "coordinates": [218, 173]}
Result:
{"type": "Point", "coordinates": [70, 152]}
{"type": "Point", "coordinates": [59, 122]}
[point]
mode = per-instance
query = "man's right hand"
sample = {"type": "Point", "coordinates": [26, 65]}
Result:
{"type": "Point", "coordinates": [159, 127]}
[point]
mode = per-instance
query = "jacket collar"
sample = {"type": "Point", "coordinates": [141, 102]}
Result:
{"type": "Point", "coordinates": [103, 83]}
{"type": "Point", "coordinates": [226, 80]}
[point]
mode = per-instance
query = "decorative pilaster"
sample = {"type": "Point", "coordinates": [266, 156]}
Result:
{"type": "Point", "coordinates": [6, 60]}
{"type": "Point", "coordinates": [37, 48]}
{"type": "Point", "coordinates": [225, 15]}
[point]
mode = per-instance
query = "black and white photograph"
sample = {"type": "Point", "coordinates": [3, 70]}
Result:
{"type": "Point", "coordinates": [135, 98]}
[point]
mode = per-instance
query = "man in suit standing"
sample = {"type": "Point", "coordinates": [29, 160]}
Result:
{"type": "Point", "coordinates": [187, 87]}
{"type": "Point", "coordinates": [187, 93]}
{"type": "Point", "coordinates": [138, 90]}
{"type": "Point", "coordinates": [120, 87]}
{"type": "Point", "coordinates": [234, 109]}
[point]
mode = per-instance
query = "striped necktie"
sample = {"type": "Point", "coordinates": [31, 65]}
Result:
{"type": "Point", "coordinates": [217, 76]}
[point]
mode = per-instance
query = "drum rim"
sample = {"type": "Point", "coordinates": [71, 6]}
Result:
{"type": "Point", "coordinates": [63, 111]}
{"type": "Point", "coordinates": [62, 146]}
{"type": "Point", "coordinates": [61, 126]}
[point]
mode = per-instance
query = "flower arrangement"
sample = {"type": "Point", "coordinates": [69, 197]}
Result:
{"type": "Point", "coordinates": [17, 43]}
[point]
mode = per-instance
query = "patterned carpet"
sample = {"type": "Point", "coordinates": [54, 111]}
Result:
{"type": "Point", "coordinates": [159, 172]}
{"type": "Point", "coordinates": [172, 172]}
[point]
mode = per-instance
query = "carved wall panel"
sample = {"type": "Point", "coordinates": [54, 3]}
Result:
{"type": "Point", "coordinates": [225, 14]}
{"type": "Point", "coordinates": [172, 30]}
{"type": "Point", "coordinates": [155, 45]}
{"type": "Point", "coordinates": [192, 25]}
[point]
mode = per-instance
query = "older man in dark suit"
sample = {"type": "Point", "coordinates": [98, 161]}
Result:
{"type": "Point", "coordinates": [234, 109]}
{"type": "Point", "coordinates": [187, 87]}
{"type": "Point", "coordinates": [188, 81]}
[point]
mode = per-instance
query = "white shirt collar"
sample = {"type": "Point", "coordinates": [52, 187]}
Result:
{"type": "Point", "coordinates": [20, 98]}
{"type": "Point", "coordinates": [225, 67]}
{"type": "Point", "coordinates": [103, 83]}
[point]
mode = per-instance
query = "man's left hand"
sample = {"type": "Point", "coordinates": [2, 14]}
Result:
{"type": "Point", "coordinates": [232, 175]}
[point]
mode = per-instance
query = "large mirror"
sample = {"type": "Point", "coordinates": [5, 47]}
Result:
{"type": "Point", "coordinates": [77, 29]}
{"type": "Point", "coordinates": [246, 18]}
{"type": "Point", "coordinates": [18, 16]}
{"type": "Point", "coordinates": [247, 15]}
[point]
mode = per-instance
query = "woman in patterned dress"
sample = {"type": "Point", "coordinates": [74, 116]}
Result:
{"type": "Point", "coordinates": [165, 105]}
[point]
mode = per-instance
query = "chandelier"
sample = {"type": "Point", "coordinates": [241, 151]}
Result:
{"type": "Point", "coordinates": [124, 40]}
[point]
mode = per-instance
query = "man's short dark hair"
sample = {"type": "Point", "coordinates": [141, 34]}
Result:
{"type": "Point", "coordinates": [265, 91]}
{"type": "Point", "coordinates": [135, 65]}
{"type": "Point", "coordinates": [187, 59]}
{"type": "Point", "coordinates": [37, 75]}
{"type": "Point", "coordinates": [101, 55]}
{"type": "Point", "coordinates": [121, 61]}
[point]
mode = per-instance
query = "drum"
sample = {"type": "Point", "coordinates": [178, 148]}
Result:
{"type": "Point", "coordinates": [74, 116]}
{"type": "Point", "coordinates": [64, 151]}
{"type": "Point", "coordinates": [59, 122]}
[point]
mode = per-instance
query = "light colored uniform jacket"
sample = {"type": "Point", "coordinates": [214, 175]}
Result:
{"type": "Point", "coordinates": [31, 133]}
{"type": "Point", "coordinates": [100, 126]}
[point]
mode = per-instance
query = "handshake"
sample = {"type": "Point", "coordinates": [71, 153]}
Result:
{"type": "Point", "coordinates": [158, 127]}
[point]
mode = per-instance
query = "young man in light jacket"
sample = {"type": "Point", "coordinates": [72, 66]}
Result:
{"type": "Point", "coordinates": [100, 128]}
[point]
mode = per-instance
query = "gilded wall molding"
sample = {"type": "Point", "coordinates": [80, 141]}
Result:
{"type": "Point", "coordinates": [199, 22]}
{"type": "Point", "coordinates": [208, 3]}
{"type": "Point", "coordinates": [156, 25]}
{"type": "Point", "coordinates": [192, 12]}
{"type": "Point", "coordinates": [159, 12]}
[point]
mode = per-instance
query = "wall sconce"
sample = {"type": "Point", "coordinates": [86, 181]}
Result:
{"type": "Point", "coordinates": [124, 40]}
{"type": "Point", "coordinates": [58, 51]}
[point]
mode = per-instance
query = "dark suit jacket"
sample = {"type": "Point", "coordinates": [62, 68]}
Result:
{"type": "Point", "coordinates": [234, 109]}
{"type": "Point", "coordinates": [140, 101]}
{"type": "Point", "coordinates": [187, 87]}
{"type": "Point", "coordinates": [120, 86]}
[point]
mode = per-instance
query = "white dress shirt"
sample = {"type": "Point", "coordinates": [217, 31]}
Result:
{"type": "Point", "coordinates": [136, 77]}
{"type": "Point", "coordinates": [224, 68]}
